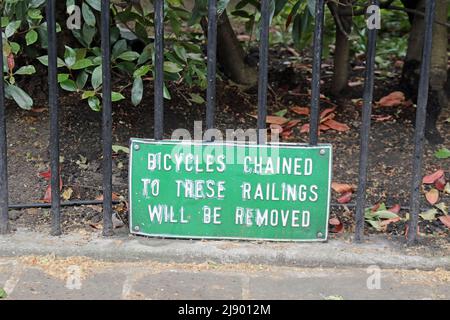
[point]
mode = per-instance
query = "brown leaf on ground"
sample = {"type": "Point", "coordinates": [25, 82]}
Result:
{"type": "Point", "coordinates": [395, 209]}
{"type": "Point", "coordinates": [393, 99]}
{"type": "Point", "coordinates": [327, 112]}
{"type": "Point", "coordinates": [385, 223]}
{"type": "Point", "coordinates": [381, 118]}
{"type": "Point", "coordinates": [445, 220]}
{"type": "Point", "coordinates": [338, 126]}
{"type": "Point", "coordinates": [48, 194]}
{"type": "Point", "coordinates": [115, 197]}
{"type": "Point", "coordinates": [305, 128]}
{"type": "Point", "coordinates": [432, 196]}
{"type": "Point", "coordinates": [38, 110]}
{"type": "Point", "coordinates": [337, 226]}
{"type": "Point", "coordinates": [342, 187]}
{"type": "Point", "coordinates": [276, 120]}
{"type": "Point", "coordinates": [346, 198]}
{"type": "Point", "coordinates": [407, 230]}
{"type": "Point", "coordinates": [430, 179]}
{"type": "Point", "coordinates": [292, 124]}
{"type": "Point", "coordinates": [440, 183]}
{"type": "Point", "coordinates": [375, 207]}
{"type": "Point", "coordinates": [303, 111]}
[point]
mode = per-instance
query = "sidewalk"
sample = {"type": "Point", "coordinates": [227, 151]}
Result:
{"type": "Point", "coordinates": [83, 278]}
{"type": "Point", "coordinates": [124, 247]}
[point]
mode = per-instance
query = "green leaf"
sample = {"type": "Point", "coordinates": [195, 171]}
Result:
{"type": "Point", "coordinates": [96, 4]}
{"type": "Point", "coordinates": [180, 52]}
{"type": "Point", "coordinates": [97, 77]}
{"type": "Point", "coordinates": [196, 98]}
{"type": "Point", "coordinates": [82, 64]}
{"type": "Point", "coordinates": [11, 28]}
{"type": "Point", "coordinates": [117, 149]}
{"type": "Point", "coordinates": [171, 67]}
{"type": "Point", "coordinates": [44, 61]}
{"type": "Point", "coordinates": [22, 98]}
{"type": "Point", "coordinates": [137, 91]}
{"type": "Point", "coordinates": [35, 14]}
{"type": "Point", "coordinates": [166, 93]}
{"type": "Point", "coordinates": [281, 113]}
{"type": "Point", "coordinates": [82, 79]}
{"type": "Point", "coordinates": [26, 70]}
{"type": "Point", "coordinates": [87, 94]}
{"type": "Point", "coordinates": [141, 71]}
{"type": "Point", "coordinates": [375, 223]}
{"type": "Point", "coordinates": [69, 85]}
{"type": "Point", "coordinates": [128, 56]}
{"type": "Point", "coordinates": [3, 293]}
{"type": "Point", "coordinates": [116, 96]}
{"type": "Point", "coordinates": [443, 153]}
{"type": "Point", "coordinates": [70, 56]}
{"type": "Point", "coordinates": [94, 103]}
{"type": "Point", "coordinates": [36, 3]}
{"type": "Point", "coordinates": [31, 37]}
{"type": "Point", "coordinates": [382, 214]}
{"type": "Point", "coordinates": [88, 15]}
{"type": "Point", "coordinates": [63, 77]}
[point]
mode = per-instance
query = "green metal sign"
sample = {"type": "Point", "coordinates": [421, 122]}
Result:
{"type": "Point", "coordinates": [227, 190]}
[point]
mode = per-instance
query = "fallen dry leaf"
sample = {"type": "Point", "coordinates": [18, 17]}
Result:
{"type": "Point", "coordinates": [395, 209]}
{"type": "Point", "coordinates": [327, 112]}
{"type": "Point", "coordinates": [447, 188]}
{"type": "Point", "coordinates": [305, 128]}
{"type": "Point", "coordinates": [381, 118]}
{"type": "Point", "coordinates": [440, 183]}
{"type": "Point", "coordinates": [432, 196]}
{"type": "Point", "coordinates": [67, 194]}
{"type": "Point", "coordinates": [387, 222]}
{"type": "Point", "coordinates": [445, 220]}
{"type": "Point", "coordinates": [345, 198]}
{"type": "Point", "coordinates": [276, 120]}
{"type": "Point", "coordinates": [115, 197]}
{"type": "Point", "coordinates": [300, 110]}
{"type": "Point", "coordinates": [393, 99]}
{"type": "Point", "coordinates": [342, 187]}
{"type": "Point", "coordinates": [430, 179]}
{"type": "Point", "coordinates": [292, 124]}
{"type": "Point", "coordinates": [335, 125]}
{"type": "Point", "coordinates": [337, 226]}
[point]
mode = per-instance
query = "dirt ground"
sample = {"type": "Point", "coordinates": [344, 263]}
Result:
{"type": "Point", "coordinates": [391, 142]}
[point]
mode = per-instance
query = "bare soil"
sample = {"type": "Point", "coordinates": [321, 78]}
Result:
{"type": "Point", "coordinates": [391, 142]}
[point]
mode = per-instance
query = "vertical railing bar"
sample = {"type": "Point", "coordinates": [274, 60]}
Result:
{"type": "Point", "coordinates": [212, 62]}
{"type": "Point", "coordinates": [263, 71]}
{"type": "Point", "coordinates": [54, 118]}
{"type": "Point", "coordinates": [365, 129]}
{"type": "Point", "coordinates": [316, 69]}
{"type": "Point", "coordinates": [4, 217]}
{"type": "Point", "coordinates": [107, 118]}
{"type": "Point", "coordinates": [421, 113]}
{"type": "Point", "coordinates": [159, 69]}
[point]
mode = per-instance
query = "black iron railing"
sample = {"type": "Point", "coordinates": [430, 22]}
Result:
{"type": "Point", "coordinates": [210, 108]}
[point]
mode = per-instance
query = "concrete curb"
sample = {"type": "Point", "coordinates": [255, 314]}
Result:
{"type": "Point", "coordinates": [123, 247]}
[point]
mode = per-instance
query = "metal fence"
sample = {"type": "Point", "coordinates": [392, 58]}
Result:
{"type": "Point", "coordinates": [210, 109]}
